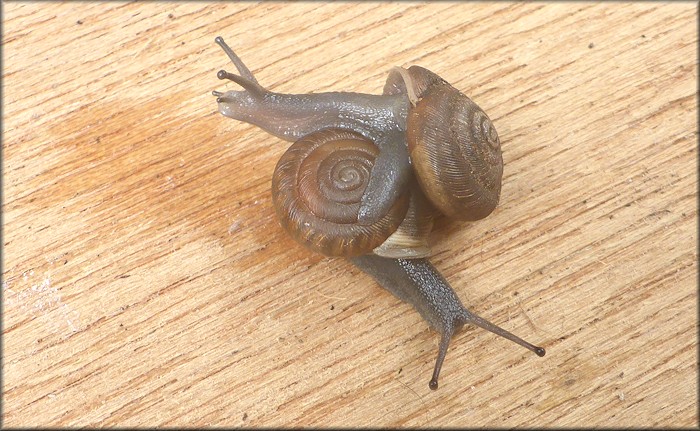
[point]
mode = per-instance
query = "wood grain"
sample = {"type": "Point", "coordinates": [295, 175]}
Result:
{"type": "Point", "coordinates": [146, 281]}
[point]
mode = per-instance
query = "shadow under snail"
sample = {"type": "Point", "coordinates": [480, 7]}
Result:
{"type": "Point", "coordinates": [367, 174]}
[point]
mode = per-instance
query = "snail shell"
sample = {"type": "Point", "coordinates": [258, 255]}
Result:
{"type": "Point", "coordinates": [317, 187]}
{"type": "Point", "coordinates": [454, 147]}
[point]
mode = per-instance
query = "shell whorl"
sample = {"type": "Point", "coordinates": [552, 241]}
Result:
{"type": "Point", "coordinates": [454, 147]}
{"type": "Point", "coordinates": [316, 190]}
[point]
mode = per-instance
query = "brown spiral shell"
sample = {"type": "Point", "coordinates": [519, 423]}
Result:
{"type": "Point", "coordinates": [316, 190]}
{"type": "Point", "coordinates": [454, 148]}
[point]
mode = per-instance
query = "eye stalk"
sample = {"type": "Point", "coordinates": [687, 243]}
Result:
{"type": "Point", "coordinates": [242, 68]}
{"type": "Point", "coordinates": [249, 85]}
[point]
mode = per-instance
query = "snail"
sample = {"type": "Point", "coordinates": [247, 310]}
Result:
{"type": "Point", "coordinates": [367, 174]}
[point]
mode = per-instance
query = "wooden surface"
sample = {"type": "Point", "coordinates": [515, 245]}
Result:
{"type": "Point", "coordinates": [146, 281]}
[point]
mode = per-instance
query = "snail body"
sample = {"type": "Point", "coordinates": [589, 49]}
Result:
{"type": "Point", "coordinates": [366, 175]}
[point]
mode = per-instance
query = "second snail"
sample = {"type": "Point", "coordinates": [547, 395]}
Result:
{"type": "Point", "coordinates": [367, 174]}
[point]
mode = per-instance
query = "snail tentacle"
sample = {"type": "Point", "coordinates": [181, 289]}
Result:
{"type": "Point", "coordinates": [242, 68]}
{"type": "Point", "coordinates": [253, 87]}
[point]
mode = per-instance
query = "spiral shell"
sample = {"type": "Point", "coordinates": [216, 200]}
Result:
{"type": "Point", "coordinates": [316, 190]}
{"type": "Point", "coordinates": [454, 147]}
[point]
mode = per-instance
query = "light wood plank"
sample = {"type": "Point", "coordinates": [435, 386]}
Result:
{"type": "Point", "coordinates": [146, 280]}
